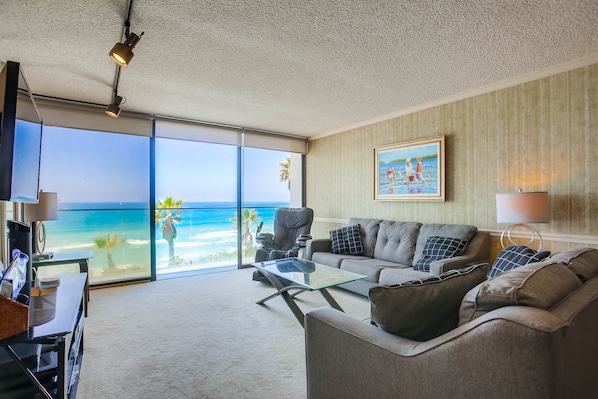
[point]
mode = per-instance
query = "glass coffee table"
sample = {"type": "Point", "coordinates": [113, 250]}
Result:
{"type": "Point", "coordinates": [303, 275]}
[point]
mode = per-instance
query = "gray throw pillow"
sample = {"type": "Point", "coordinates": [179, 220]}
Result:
{"type": "Point", "coordinates": [539, 285]}
{"type": "Point", "coordinates": [424, 309]}
{"type": "Point", "coordinates": [582, 261]}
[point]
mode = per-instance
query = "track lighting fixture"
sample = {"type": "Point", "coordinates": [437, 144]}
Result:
{"type": "Point", "coordinates": [113, 109]}
{"type": "Point", "coordinates": [122, 53]}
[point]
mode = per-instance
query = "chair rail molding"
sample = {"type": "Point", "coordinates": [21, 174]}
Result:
{"type": "Point", "coordinates": [554, 237]}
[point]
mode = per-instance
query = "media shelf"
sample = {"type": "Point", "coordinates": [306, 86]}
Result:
{"type": "Point", "coordinates": [45, 361]}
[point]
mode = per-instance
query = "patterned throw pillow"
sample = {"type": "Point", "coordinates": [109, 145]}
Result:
{"type": "Point", "coordinates": [515, 256]}
{"type": "Point", "coordinates": [438, 248]}
{"type": "Point", "coordinates": [346, 241]}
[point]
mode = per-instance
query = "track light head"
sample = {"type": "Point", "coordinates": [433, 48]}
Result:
{"type": "Point", "coordinates": [122, 53]}
{"type": "Point", "coordinates": [113, 109]}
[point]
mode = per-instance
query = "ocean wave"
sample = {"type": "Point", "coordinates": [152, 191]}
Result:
{"type": "Point", "coordinates": [138, 242]}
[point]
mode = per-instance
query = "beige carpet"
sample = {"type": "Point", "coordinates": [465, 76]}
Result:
{"type": "Point", "coordinates": [198, 337]}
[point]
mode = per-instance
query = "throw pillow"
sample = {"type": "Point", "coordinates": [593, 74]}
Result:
{"type": "Point", "coordinates": [515, 256]}
{"type": "Point", "coordinates": [346, 241]}
{"type": "Point", "coordinates": [540, 285]}
{"type": "Point", "coordinates": [424, 309]}
{"type": "Point", "coordinates": [581, 261]}
{"type": "Point", "coordinates": [438, 248]}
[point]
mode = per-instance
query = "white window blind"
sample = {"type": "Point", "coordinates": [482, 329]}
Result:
{"type": "Point", "coordinates": [275, 142]}
{"type": "Point", "coordinates": [198, 132]}
{"type": "Point", "coordinates": [89, 117]}
{"type": "Point", "coordinates": [229, 135]}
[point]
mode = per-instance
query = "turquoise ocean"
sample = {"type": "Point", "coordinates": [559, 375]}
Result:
{"type": "Point", "coordinates": [205, 233]}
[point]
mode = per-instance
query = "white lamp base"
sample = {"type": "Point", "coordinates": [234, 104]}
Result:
{"type": "Point", "coordinates": [507, 233]}
{"type": "Point", "coordinates": [40, 241]}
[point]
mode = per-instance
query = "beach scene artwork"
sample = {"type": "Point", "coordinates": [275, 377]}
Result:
{"type": "Point", "coordinates": [411, 171]}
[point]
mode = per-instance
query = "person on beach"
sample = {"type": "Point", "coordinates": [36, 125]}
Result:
{"type": "Point", "coordinates": [408, 171]}
{"type": "Point", "coordinates": [390, 174]}
{"type": "Point", "coordinates": [419, 170]}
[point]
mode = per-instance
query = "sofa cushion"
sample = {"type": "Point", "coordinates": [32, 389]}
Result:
{"type": "Point", "coordinates": [423, 309]}
{"type": "Point", "coordinates": [346, 240]}
{"type": "Point", "coordinates": [460, 231]}
{"type": "Point", "coordinates": [515, 256]}
{"type": "Point", "coordinates": [581, 261]}
{"type": "Point", "coordinates": [364, 267]}
{"type": "Point", "coordinates": [438, 248]}
{"type": "Point", "coordinates": [540, 285]}
{"type": "Point", "coordinates": [368, 229]}
{"type": "Point", "coordinates": [396, 241]}
{"type": "Point", "coordinates": [333, 260]}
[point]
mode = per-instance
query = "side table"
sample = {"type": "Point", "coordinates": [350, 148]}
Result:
{"type": "Point", "coordinates": [48, 356]}
{"type": "Point", "coordinates": [66, 258]}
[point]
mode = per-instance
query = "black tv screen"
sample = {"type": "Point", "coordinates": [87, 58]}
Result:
{"type": "Point", "coordinates": [20, 137]}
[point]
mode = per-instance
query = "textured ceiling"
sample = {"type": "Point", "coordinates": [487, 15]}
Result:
{"type": "Point", "coordinates": [305, 68]}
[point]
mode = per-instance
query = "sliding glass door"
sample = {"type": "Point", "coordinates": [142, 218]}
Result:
{"type": "Point", "coordinates": [191, 197]}
{"type": "Point", "coordinates": [103, 197]}
{"type": "Point", "coordinates": [196, 202]}
{"type": "Point", "coordinates": [266, 186]}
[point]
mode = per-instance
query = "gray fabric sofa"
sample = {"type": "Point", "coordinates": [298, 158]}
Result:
{"type": "Point", "coordinates": [391, 248]}
{"type": "Point", "coordinates": [532, 334]}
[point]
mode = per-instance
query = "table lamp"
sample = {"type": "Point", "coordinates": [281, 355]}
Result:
{"type": "Point", "coordinates": [521, 208]}
{"type": "Point", "coordinates": [45, 209]}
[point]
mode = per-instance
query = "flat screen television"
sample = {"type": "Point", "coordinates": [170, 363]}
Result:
{"type": "Point", "coordinates": [20, 137]}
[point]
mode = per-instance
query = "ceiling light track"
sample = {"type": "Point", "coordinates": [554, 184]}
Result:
{"type": "Point", "coordinates": [122, 54]}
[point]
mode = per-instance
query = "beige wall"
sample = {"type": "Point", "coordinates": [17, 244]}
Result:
{"type": "Point", "coordinates": [537, 136]}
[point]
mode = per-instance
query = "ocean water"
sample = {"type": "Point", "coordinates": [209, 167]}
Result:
{"type": "Point", "coordinates": [205, 234]}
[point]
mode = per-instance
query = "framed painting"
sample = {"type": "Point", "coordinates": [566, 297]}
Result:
{"type": "Point", "coordinates": [410, 171]}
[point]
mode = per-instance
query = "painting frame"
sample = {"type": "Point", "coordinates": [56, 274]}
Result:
{"type": "Point", "coordinates": [410, 171]}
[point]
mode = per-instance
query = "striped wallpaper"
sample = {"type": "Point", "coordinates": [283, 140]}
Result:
{"type": "Point", "coordinates": [537, 136]}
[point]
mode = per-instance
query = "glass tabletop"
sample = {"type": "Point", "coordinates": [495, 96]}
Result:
{"type": "Point", "coordinates": [306, 273]}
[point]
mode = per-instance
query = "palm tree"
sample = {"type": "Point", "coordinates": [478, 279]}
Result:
{"type": "Point", "coordinates": [285, 172]}
{"type": "Point", "coordinates": [107, 244]}
{"type": "Point", "coordinates": [248, 218]}
{"type": "Point", "coordinates": [167, 215]}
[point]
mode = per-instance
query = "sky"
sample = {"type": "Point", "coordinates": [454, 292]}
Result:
{"type": "Point", "coordinates": [88, 166]}
{"type": "Point", "coordinates": [408, 152]}
{"type": "Point", "coordinates": [212, 172]}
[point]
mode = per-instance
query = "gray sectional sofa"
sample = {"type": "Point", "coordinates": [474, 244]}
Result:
{"type": "Point", "coordinates": [530, 332]}
{"type": "Point", "coordinates": [391, 248]}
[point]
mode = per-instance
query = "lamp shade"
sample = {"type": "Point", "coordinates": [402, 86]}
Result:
{"type": "Point", "coordinates": [45, 209]}
{"type": "Point", "coordinates": [531, 207]}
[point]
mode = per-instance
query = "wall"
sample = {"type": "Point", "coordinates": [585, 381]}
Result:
{"type": "Point", "coordinates": [537, 136]}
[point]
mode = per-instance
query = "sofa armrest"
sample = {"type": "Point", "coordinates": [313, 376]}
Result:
{"type": "Point", "coordinates": [477, 251]}
{"type": "Point", "coordinates": [458, 262]}
{"type": "Point", "coordinates": [349, 358]}
{"type": "Point", "coordinates": [317, 245]}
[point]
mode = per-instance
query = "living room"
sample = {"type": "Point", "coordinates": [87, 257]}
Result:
{"type": "Point", "coordinates": [527, 122]}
